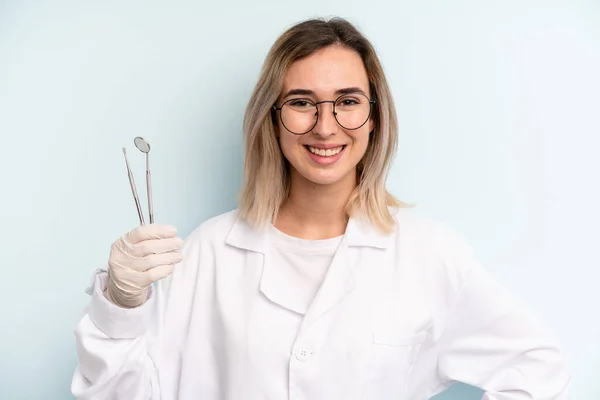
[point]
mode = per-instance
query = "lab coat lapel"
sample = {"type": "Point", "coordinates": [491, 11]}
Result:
{"type": "Point", "coordinates": [339, 280]}
{"type": "Point", "coordinates": [255, 240]}
{"type": "Point", "coordinates": [276, 289]}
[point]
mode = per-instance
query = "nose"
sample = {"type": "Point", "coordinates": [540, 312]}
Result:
{"type": "Point", "coordinates": [326, 123]}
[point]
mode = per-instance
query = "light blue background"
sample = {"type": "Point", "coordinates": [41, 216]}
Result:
{"type": "Point", "coordinates": [499, 111]}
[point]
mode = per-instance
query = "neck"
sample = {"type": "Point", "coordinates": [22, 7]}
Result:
{"type": "Point", "coordinates": [314, 211]}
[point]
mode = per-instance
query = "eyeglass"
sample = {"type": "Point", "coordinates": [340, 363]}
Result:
{"type": "Point", "coordinates": [300, 115]}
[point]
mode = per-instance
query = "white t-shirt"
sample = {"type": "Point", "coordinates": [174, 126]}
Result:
{"type": "Point", "coordinates": [300, 265]}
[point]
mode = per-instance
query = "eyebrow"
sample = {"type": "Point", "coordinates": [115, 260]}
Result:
{"type": "Point", "coordinates": [339, 92]}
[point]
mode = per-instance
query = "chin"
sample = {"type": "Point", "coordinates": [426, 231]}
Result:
{"type": "Point", "coordinates": [324, 177]}
{"type": "Point", "coordinates": [323, 180]}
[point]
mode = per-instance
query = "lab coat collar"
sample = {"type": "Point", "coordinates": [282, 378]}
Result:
{"type": "Point", "coordinates": [247, 237]}
{"type": "Point", "coordinates": [359, 233]}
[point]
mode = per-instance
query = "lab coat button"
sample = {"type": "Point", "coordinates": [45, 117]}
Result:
{"type": "Point", "coordinates": [303, 354]}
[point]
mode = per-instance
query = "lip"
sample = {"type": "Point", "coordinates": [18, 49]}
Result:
{"type": "Point", "coordinates": [321, 160]}
{"type": "Point", "coordinates": [326, 146]}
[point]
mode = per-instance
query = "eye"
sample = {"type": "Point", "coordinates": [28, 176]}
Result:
{"type": "Point", "coordinates": [300, 103]}
{"type": "Point", "coordinates": [348, 102]}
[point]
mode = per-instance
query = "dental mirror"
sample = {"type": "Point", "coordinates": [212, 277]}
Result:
{"type": "Point", "coordinates": [144, 147]}
{"type": "Point", "coordinates": [142, 144]}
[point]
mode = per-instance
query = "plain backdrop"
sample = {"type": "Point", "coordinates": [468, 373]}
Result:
{"type": "Point", "coordinates": [499, 113]}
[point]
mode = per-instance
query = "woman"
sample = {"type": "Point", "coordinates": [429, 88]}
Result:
{"type": "Point", "coordinates": [320, 285]}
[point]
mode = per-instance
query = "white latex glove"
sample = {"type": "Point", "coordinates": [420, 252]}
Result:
{"type": "Point", "coordinates": [140, 257]}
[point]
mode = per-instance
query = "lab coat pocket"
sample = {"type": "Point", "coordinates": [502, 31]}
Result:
{"type": "Point", "coordinates": [393, 357]}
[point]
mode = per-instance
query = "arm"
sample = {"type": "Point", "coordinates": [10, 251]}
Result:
{"type": "Point", "coordinates": [492, 342]}
{"type": "Point", "coordinates": [116, 339]}
{"type": "Point", "coordinates": [112, 349]}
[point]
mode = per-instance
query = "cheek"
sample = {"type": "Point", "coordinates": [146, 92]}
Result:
{"type": "Point", "coordinates": [361, 141]}
{"type": "Point", "coordinates": [288, 145]}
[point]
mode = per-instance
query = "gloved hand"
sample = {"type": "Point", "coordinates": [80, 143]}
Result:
{"type": "Point", "coordinates": [140, 257]}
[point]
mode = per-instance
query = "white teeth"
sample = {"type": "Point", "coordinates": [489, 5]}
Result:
{"type": "Point", "coordinates": [325, 153]}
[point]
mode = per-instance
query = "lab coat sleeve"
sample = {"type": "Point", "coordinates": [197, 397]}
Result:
{"type": "Point", "coordinates": [492, 342]}
{"type": "Point", "coordinates": [111, 347]}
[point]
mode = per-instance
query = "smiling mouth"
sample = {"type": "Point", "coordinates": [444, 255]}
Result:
{"type": "Point", "coordinates": [325, 153]}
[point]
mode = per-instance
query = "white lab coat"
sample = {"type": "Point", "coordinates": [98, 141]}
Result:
{"type": "Point", "coordinates": [399, 316]}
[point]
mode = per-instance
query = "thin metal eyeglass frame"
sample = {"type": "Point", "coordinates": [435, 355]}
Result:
{"type": "Point", "coordinates": [371, 103]}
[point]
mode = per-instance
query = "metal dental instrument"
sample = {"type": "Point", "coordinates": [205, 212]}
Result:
{"type": "Point", "coordinates": [133, 190]}
{"type": "Point", "coordinates": [144, 147]}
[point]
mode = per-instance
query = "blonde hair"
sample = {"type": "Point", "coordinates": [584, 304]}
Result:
{"type": "Point", "coordinates": [266, 171]}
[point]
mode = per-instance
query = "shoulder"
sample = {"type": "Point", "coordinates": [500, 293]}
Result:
{"type": "Point", "coordinates": [434, 242]}
{"type": "Point", "coordinates": [426, 230]}
{"type": "Point", "coordinates": [214, 229]}
{"type": "Point", "coordinates": [221, 223]}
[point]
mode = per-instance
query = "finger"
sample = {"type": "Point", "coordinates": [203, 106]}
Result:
{"type": "Point", "coordinates": [154, 260]}
{"type": "Point", "coordinates": [156, 246]}
{"type": "Point", "coordinates": [160, 272]}
{"type": "Point", "coordinates": [149, 232]}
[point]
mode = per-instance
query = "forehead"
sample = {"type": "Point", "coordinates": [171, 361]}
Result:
{"type": "Point", "coordinates": [326, 71]}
